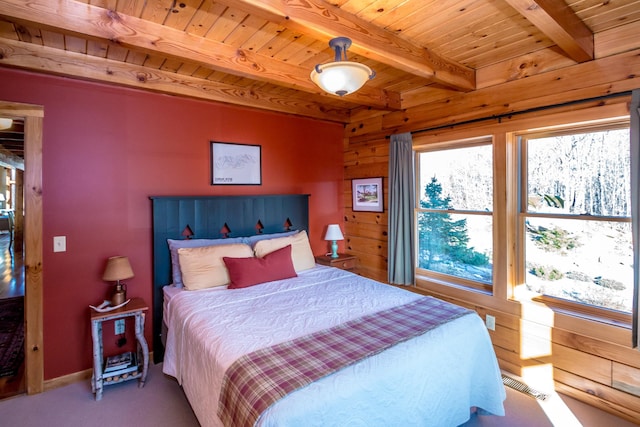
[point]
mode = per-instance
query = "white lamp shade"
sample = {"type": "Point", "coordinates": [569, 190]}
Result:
{"type": "Point", "coordinates": [333, 233]}
{"type": "Point", "coordinates": [341, 77]}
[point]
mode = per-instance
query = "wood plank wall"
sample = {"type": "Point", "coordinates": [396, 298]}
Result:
{"type": "Point", "coordinates": [587, 360]}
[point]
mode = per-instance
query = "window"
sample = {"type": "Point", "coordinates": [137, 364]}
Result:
{"type": "Point", "coordinates": [575, 216]}
{"type": "Point", "coordinates": [454, 212]}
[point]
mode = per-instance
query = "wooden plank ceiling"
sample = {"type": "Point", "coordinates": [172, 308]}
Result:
{"type": "Point", "coordinates": [259, 53]}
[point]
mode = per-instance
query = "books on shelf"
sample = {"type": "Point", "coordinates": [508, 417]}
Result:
{"type": "Point", "coordinates": [121, 364]}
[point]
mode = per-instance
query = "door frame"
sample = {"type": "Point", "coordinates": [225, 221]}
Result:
{"type": "Point", "coordinates": [33, 273]}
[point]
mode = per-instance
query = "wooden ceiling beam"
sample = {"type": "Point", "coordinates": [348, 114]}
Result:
{"type": "Point", "coordinates": [325, 21]}
{"type": "Point", "coordinates": [43, 59]}
{"type": "Point", "coordinates": [560, 23]}
{"type": "Point", "coordinates": [131, 32]}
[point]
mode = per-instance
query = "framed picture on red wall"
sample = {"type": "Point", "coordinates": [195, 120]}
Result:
{"type": "Point", "coordinates": [367, 194]}
{"type": "Point", "coordinates": [235, 164]}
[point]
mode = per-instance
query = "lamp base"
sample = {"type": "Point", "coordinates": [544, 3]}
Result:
{"type": "Point", "coordinates": [119, 295]}
{"type": "Point", "coordinates": [334, 249]}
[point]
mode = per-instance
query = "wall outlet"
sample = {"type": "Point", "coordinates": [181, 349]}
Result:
{"type": "Point", "coordinates": [119, 326]}
{"type": "Point", "coordinates": [491, 322]}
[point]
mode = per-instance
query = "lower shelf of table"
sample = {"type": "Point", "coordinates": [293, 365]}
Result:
{"type": "Point", "coordinates": [115, 379]}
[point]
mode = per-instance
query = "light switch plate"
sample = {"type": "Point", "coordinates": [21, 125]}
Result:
{"type": "Point", "coordinates": [59, 243]}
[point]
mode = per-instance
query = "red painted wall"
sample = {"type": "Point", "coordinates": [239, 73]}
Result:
{"type": "Point", "coordinates": [107, 149]}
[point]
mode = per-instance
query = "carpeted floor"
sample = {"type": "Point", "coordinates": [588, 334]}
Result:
{"type": "Point", "coordinates": [161, 403]}
{"type": "Point", "coordinates": [11, 335]}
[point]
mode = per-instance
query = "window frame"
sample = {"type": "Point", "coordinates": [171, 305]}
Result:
{"type": "Point", "coordinates": [508, 296]}
{"type": "Point", "coordinates": [572, 308]}
{"type": "Point", "coordinates": [443, 278]}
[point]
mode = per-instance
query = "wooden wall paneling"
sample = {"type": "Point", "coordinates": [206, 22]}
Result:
{"type": "Point", "coordinates": [363, 113]}
{"type": "Point", "coordinates": [509, 361]}
{"type": "Point", "coordinates": [365, 232]}
{"type": "Point", "coordinates": [601, 396]}
{"type": "Point", "coordinates": [371, 266]}
{"type": "Point", "coordinates": [607, 350]}
{"type": "Point", "coordinates": [364, 127]}
{"type": "Point", "coordinates": [626, 378]}
{"type": "Point", "coordinates": [366, 217]}
{"type": "Point", "coordinates": [372, 151]}
{"type": "Point", "coordinates": [506, 338]}
{"type": "Point", "coordinates": [584, 364]}
{"type": "Point", "coordinates": [427, 94]}
{"type": "Point", "coordinates": [367, 170]}
{"type": "Point", "coordinates": [535, 340]}
{"type": "Point", "coordinates": [372, 273]}
{"type": "Point", "coordinates": [368, 230]}
{"type": "Point", "coordinates": [366, 245]}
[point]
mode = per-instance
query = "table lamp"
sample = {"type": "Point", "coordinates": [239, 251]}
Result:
{"type": "Point", "coordinates": [334, 234]}
{"type": "Point", "coordinates": [118, 268]}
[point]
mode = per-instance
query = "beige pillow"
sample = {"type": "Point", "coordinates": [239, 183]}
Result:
{"type": "Point", "coordinates": [301, 253]}
{"type": "Point", "coordinates": [203, 267]}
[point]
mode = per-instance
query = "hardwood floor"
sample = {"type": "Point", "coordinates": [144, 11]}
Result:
{"type": "Point", "coordinates": [11, 285]}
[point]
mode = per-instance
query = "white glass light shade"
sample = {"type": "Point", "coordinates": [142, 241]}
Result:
{"type": "Point", "coordinates": [341, 77]}
{"type": "Point", "coordinates": [5, 123]}
{"type": "Point", "coordinates": [333, 233]}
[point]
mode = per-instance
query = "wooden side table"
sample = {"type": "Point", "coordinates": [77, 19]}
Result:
{"type": "Point", "coordinates": [344, 261]}
{"type": "Point", "coordinates": [135, 308]}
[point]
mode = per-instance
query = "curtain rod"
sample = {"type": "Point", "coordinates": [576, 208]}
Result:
{"type": "Point", "coordinates": [516, 113]}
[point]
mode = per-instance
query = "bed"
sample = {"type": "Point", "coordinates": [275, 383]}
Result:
{"type": "Point", "coordinates": [350, 353]}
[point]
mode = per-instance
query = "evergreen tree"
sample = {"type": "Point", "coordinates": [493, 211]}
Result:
{"type": "Point", "coordinates": [440, 236]}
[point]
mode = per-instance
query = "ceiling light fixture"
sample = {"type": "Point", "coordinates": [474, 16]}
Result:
{"type": "Point", "coordinates": [5, 123]}
{"type": "Point", "coordinates": [341, 77]}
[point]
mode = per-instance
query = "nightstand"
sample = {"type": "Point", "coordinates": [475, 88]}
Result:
{"type": "Point", "coordinates": [135, 308]}
{"type": "Point", "coordinates": [344, 261]}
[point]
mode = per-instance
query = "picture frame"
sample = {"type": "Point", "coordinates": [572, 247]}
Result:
{"type": "Point", "coordinates": [367, 194]}
{"type": "Point", "coordinates": [236, 164]}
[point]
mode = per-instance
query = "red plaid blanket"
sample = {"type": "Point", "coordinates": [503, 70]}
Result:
{"type": "Point", "coordinates": [257, 380]}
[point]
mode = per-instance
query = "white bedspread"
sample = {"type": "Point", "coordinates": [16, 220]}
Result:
{"type": "Point", "coordinates": [432, 380]}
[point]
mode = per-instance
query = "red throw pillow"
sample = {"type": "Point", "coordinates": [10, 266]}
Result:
{"type": "Point", "coordinates": [245, 272]}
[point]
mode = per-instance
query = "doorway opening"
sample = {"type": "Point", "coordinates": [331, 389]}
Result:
{"type": "Point", "coordinates": [25, 224]}
{"type": "Point", "coordinates": [12, 286]}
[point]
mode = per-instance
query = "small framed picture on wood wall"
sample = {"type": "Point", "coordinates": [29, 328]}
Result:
{"type": "Point", "coordinates": [235, 164]}
{"type": "Point", "coordinates": [367, 194]}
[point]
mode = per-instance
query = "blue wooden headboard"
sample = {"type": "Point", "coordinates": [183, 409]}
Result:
{"type": "Point", "coordinates": [214, 217]}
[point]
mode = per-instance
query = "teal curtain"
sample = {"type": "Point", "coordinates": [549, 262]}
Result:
{"type": "Point", "coordinates": [635, 209]}
{"type": "Point", "coordinates": [401, 246]}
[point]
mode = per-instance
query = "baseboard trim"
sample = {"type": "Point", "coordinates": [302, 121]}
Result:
{"type": "Point", "coordinates": [67, 379]}
{"type": "Point", "coordinates": [75, 377]}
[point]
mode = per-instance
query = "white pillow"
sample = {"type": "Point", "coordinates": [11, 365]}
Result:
{"type": "Point", "coordinates": [204, 268]}
{"type": "Point", "coordinates": [174, 245]}
{"type": "Point", "coordinates": [301, 253]}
